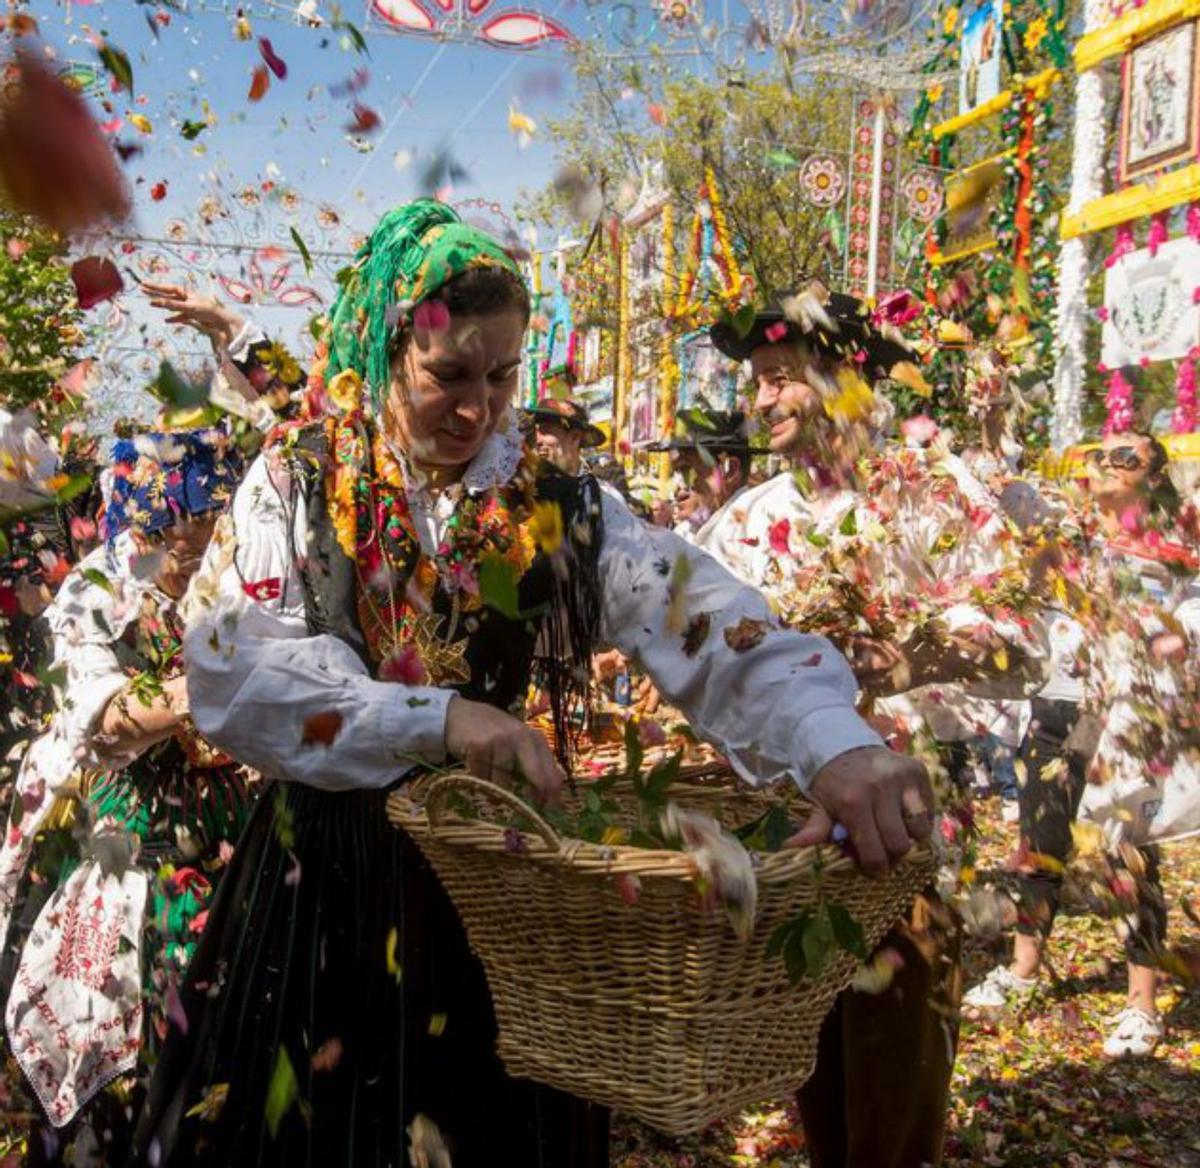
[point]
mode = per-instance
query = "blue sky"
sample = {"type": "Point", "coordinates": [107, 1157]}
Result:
{"type": "Point", "coordinates": [427, 94]}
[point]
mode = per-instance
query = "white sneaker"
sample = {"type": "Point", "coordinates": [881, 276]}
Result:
{"type": "Point", "coordinates": [999, 989]}
{"type": "Point", "coordinates": [1135, 1033]}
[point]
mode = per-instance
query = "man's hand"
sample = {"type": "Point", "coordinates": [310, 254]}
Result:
{"type": "Point", "coordinates": [882, 799]}
{"type": "Point", "coordinates": [207, 315]}
{"type": "Point", "coordinates": [493, 745]}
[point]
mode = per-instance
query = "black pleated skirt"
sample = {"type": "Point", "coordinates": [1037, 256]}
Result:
{"type": "Point", "coordinates": [332, 999]}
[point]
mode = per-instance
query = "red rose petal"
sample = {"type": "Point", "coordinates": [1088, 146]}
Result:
{"type": "Point", "coordinates": [96, 279]}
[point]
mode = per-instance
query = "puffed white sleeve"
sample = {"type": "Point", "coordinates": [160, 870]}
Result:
{"type": "Point", "coordinates": [776, 702]}
{"type": "Point", "coordinates": [292, 705]}
{"type": "Point", "coordinates": [95, 603]}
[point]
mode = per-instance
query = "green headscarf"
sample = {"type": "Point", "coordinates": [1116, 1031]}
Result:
{"type": "Point", "coordinates": [413, 251]}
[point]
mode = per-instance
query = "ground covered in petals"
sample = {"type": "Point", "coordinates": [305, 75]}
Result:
{"type": "Point", "coordinates": [1033, 1089]}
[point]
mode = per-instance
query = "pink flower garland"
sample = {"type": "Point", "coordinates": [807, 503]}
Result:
{"type": "Point", "coordinates": [1183, 420]}
{"type": "Point", "coordinates": [1119, 402]}
{"type": "Point", "coordinates": [1122, 244]}
{"type": "Point", "coordinates": [1157, 234]}
{"type": "Point", "coordinates": [1193, 222]}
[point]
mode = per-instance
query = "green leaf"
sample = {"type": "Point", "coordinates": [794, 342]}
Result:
{"type": "Point", "coordinates": [356, 37]}
{"type": "Point", "coordinates": [847, 931]}
{"type": "Point", "coordinates": [300, 246]}
{"type": "Point", "coordinates": [781, 159]}
{"type": "Point", "coordinates": [849, 525]}
{"type": "Point", "coordinates": [3, 544]}
{"type": "Point", "coordinates": [95, 576]}
{"type": "Point", "coordinates": [634, 753]}
{"type": "Point", "coordinates": [776, 829]}
{"type": "Point", "coordinates": [787, 941]}
{"type": "Point", "coordinates": [170, 387]}
{"type": "Point", "coordinates": [117, 63]}
{"type": "Point", "coordinates": [818, 944]}
{"type": "Point", "coordinates": [281, 1093]}
{"type": "Point", "coordinates": [101, 622]}
{"type": "Point", "coordinates": [743, 319]}
{"type": "Point", "coordinates": [661, 778]}
{"type": "Point", "coordinates": [192, 130]}
{"type": "Point", "coordinates": [75, 485]}
{"type": "Point", "coordinates": [55, 677]}
{"type": "Point", "coordinates": [498, 585]}
{"type": "Point", "coordinates": [817, 539]}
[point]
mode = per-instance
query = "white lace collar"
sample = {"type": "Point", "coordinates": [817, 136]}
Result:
{"type": "Point", "coordinates": [498, 459]}
{"type": "Point", "coordinates": [494, 465]}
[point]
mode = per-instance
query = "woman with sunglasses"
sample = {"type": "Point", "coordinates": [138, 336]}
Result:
{"type": "Point", "coordinates": [1136, 566]}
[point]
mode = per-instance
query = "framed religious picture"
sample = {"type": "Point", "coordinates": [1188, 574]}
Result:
{"type": "Point", "coordinates": [643, 414]}
{"type": "Point", "coordinates": [979, 59]}
{"type": "Point", "coordinates": [1160, 118]}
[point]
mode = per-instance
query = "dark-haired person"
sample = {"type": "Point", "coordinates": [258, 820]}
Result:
{"type": "Point", "coordinates": [711, 454]}
{"type": "Point", "coordinates": [562, 433]}
{"type": "Point", "coordinates": [1135, 568]}
{"type": "Point", "coordinates": [152, 806]}
{"type": "Point", "coordinates": [342, 639]}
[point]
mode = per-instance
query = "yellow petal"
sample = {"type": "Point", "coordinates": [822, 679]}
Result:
{"type": "Point", "coordinates": [142, 123]}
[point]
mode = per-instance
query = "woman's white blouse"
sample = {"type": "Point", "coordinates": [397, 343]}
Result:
{"type": "Point", "coordinates": [784, 706]}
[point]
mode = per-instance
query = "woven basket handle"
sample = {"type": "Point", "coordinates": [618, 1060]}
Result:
{"type": "Point", "coordinates": [435, 804]}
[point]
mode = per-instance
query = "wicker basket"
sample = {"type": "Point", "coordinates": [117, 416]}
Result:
{"type": "Point", "coordinates": [653, 1008]}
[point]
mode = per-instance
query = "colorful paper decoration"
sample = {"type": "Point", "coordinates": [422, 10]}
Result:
{"type": "Point", "coordinates": [516, 29]}
{"type": "Point", "coordinates": [922, 191]}
{"type": "Point", "coordinates": [710, 274]}
{"type": "Point", "coordinates": [823, 180]}
{"type": "Point", "coordinates": [1160, 102]}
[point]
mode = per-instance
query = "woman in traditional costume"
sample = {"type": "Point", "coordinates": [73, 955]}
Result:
{"type": "Point", "coordinates": [371, 605]}
{"type": "Point", "coordinates": [122, 810]}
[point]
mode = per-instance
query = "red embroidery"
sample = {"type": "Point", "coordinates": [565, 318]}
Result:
{"type": "Point", "coordinates": [269, 589]}
{"type": "Point", "coordinates": [89, 943]}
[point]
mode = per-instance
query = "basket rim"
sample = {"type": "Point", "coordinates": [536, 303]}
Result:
{"type": "Point", "coordinates": [605, 860]}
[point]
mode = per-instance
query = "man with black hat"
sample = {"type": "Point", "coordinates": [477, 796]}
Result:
{"type": "Point", "coordinates": [883, 554]}
{"type": "Point", "coordinates": [563, 432]}
{"type": "Point", "coordinates": [710, 454]}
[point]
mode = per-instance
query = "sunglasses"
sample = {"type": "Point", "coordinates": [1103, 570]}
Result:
{"type": "Point", "coordinates": [1119, 458]}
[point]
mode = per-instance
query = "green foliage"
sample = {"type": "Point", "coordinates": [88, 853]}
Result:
{"type": "Point", "coordinates": [750, 130]}
{"type": "Point", "coordinates": [39, 318]}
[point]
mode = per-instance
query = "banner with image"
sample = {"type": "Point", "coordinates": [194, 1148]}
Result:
{"type": "Point", "coordinates": [979, 61]}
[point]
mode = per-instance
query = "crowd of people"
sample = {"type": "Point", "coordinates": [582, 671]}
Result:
{"type": "Point", "coordinates": [272, 609]}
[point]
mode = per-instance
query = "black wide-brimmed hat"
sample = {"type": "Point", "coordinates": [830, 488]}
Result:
{"type": "Point", "coordinates": [571, 414]}
{"type": "Point", "coordinates": [715, 431]}
{"type": "Point", "coordinates": [832, 322]}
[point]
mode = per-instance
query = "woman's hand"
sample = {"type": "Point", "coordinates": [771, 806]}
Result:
{"type": "Point", "coordinates": [494, 745]}
{"type": "Point", "coordinates": [207, 315]}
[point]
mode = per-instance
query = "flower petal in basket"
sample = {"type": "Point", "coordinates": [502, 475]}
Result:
{"type": "Point", "coordinates": [653, 1007]}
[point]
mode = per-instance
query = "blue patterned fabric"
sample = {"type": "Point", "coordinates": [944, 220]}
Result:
{"type": "Point", "coordinates": [159, 477]}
